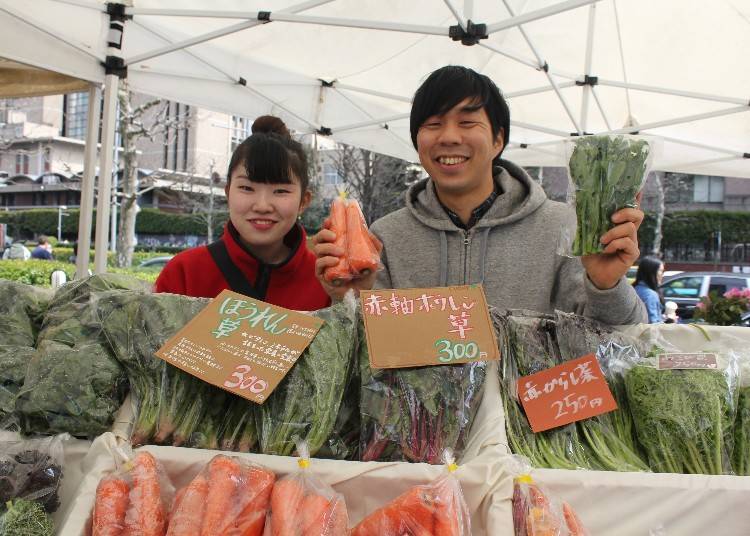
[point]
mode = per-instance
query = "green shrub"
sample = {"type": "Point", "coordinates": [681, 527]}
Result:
{"type": "Point", "coordinates": [38, 272]}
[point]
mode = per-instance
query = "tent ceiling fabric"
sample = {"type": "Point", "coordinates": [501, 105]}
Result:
{"type": "Point", "coordinates": [671, 69]}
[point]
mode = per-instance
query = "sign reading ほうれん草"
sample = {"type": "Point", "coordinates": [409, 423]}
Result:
{"type": "Point", "coordinates": [567, 393]}
{"type": "Point", "coordinates": [240, 344]}
{"type": "Point", "coordinates": [431, 326]}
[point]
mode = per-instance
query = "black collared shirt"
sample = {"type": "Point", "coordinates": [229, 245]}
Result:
{"type": "Point", "coordinates": [476, 214]}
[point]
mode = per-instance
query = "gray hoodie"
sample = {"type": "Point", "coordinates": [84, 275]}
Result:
{"type": "Point", "coordinates": [512, 251]}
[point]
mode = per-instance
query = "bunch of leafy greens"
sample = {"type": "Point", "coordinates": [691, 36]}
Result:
{"type": "Point", "coordinates": [25, 518]}
{"type": "Point", "coordinates": [607, 173]}
{"type": "Point", "coordinates": [684, 418]}
{"type": "Point", "coordinates": [529, 345]}
{"type": "Point", "coordinates": [21, 311]}
{"type": "Point", "coordinates": [306, 403]}
{"type": "Point", "coordinates": [416, 413]}
{"type": "Point", "coordinates": [741, 457]}
{"type": "Point", "coordinates": [610, 437]}
{"type": "Point", "coordinates": [73, 384]}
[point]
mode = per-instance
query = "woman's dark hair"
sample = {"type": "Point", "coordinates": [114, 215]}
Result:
{"type": "Point", "coordinates": [270, 155]}
{"type": "Point", "coordinates": [452, 84]}
{"type": "Point", "coordinates": [648, 268]}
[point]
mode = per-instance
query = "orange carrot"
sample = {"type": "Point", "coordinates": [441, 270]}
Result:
{"type": "Point", "coordinates": [338, 225]}
{"type": "Point", "coordinates": [256, 484]}
{"type": "Point", "coordinates": [223, 479]}
{"type": "Point", "coordinates": [110, 507]}
{"type": "Point", "coordinates": [574, 524]}
{"type": "Point", "coordinates": [285, 507]}
{"type": "Point", "coordinates": [313, 512]}
{"type": "Point", "coordinates": [363, 257]}
{"type": "Point", "coordinates": [447, 512]}
{"type": "Point", "coordinates": [146, 514]}
{"type": "Point", "coordinates": [410, 513]}
{"type": "Point", "coordinates": [188, 513]}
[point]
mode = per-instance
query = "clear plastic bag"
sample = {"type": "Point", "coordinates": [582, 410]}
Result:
{"type": "Point", "coordinates": [31, 469]}
{"type": "Point", "coordinates": [741, 455]}
{"type": "Point", "coordinates": [21, 311]}
{"type": "Point", "coordinates": [528, 345]}
{"type": "Point", "coordinates": [303, 505]}
{"type": "Point", "coordinates": [134, 500]}
{"type": "Point", "coordinates": [230, 496]}
{"type": "Point", "coordinates": [606, 173]}
{"type": "Point", "coordinates": [536, 512]}
{"type": "Point", "coordinates": [306, 403]}
{"type": "Point", "coordinates": [685, 419]}
{"type": "Point", "coordinates": [362, 257]}
{"type": "Point", "coordinates": [438, 508]}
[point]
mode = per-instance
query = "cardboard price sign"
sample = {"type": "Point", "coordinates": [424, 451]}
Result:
{"type": "Point", "coordinates": [432, 326]}
{"type": "Point", "coordinates": [697, 361]}
{"type": "Point", "coordinates": [567, 393]}
{"type": "Point", "coordinates": [240, 344]}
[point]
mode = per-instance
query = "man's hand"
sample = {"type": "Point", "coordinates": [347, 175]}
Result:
{"type": "Point", "coordinates": [328, 255]}
{"type": "Point", "coordinates": [620, 249]}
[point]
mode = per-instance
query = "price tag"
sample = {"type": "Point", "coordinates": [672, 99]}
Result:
{"type": "Point", "coordinates": [432, 326]}
{"type": "Point", "coordinates": [567, 393]}
{"type": "Point", "coordinates": [240, 344]}
{"type": "Point", "coordinates": [696, 361]}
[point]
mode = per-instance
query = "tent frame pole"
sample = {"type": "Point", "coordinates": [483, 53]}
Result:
{"type": "Point", "coordinates": [104, 192]}
{"type": "Point", "coordinates": [86, 209]}
{"type": "Point", "coordinates": [675, 92]}
{"type": "Point", "coordinates": [587, 67]}
{"type": "Point", "coordinates": [601, 108]}
{"type": "Point", "coordinates": [456, 13]}
{"type": "Point", "coordinates": [679, 120]}
{"type": "Point", "coordinates": [537, 14]}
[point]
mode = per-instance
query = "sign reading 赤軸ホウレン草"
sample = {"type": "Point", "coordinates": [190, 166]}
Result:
{"type": "Point", "coordinates": [567, 393]}
{"type": "Point", "coordinates": [240, 344]}
{"type": "Point", "coordinates": [430, 326]}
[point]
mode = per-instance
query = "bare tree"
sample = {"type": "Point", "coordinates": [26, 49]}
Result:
{"type": "Point", "coordinates": [377, 181]}
{"type": "Point", "coordinates": [198, 196]}
{"type": "Point", "coordinates": [146, 120]}
{"type": "Point", "coordinates": [667, 188]}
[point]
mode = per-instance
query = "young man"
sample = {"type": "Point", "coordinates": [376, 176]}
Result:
{"type": "Point", "coordinates": [43, 250]}
{"type": "Point", "coordinates": [481, 219]}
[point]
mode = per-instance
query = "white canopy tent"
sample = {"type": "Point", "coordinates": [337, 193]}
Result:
{"type": "Point", "coordinates": [347, 69]}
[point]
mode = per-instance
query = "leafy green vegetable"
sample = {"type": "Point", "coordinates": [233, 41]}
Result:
{"type": "Point", "coordinates": [306, 403]}
{"type": "Point", "coordinates": [741, 457]}
{"type": "Point", "coordinates": [25, 518]}
{"type": "Point", "coordinates": [416, 413]}
{"type": "Point", "coordinates": [237, 430]}
{"type": "Point", "coordinates": [684, 418]}
{"type": "Point", "coordinates": [21, 310]}
{"type": "Point", "coordinates": [607, 173]}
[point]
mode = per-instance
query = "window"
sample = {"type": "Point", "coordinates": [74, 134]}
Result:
{"type": "Point", "coordinates": [722, 284]}
{"type": "Point", "coordinates": [331, 175]}
{"type": "Point", "coordinates": [684, 287]}
{"type": "Point", "coordinates": [50, 179]}
{"type": "Point", "coordinates": [22, 164]}
{"type": "Point", "coordinates": [75, 110]}
{"type": "Point", "coordinates": [708, 189]}
{"type": "Point", "coordinates": [240, 129]}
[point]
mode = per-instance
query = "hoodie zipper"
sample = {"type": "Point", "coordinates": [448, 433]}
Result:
{"type": "Point", "coordinates": [467, 245]}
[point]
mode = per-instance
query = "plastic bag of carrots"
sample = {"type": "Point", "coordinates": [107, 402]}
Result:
{"type": "Point", "coordinates": [134, 500]}
{"type": "Point", "coordinates": [435, 509]}
{"type": "Point", "coordinates": [303, 505]}
{"type": "Point", "coordinates": [536, 513]}
{"type": "Point", "coordinates": [362, 256]}
{"type": "Point", "coordinates": [229, 497]}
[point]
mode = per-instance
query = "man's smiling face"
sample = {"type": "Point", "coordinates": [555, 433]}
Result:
{"type": "Point", "coordinates": [457, 147]}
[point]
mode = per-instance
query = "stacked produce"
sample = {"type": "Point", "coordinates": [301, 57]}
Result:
{"type": "Point", "coordinates": [607, 173]}
{"type": "Point", "coordinates": [73, 384]}
{"type": "Point", "coordinates": [414, 414]}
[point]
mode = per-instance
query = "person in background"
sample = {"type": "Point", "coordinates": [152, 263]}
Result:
{"type": "Point", "coordinates": [17, 252]}
{"type": "Point", "coordinates": [647, 281]}
{"type": "Point", "coordinates": [670, 313]}
{"type": "Point", "coordinates": [43, 250]}
{"type": "Point", "coordinates": [263, 252]}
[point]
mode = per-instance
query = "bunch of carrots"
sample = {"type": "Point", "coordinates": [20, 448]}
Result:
{"type": "Point", "coordinates": [535, 515]}
{"type": "Point", "coordinates": [437, 509]}
{"type": "Point", "coordinates": [352, 235]}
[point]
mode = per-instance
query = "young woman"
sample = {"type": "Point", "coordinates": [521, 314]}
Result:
{"type": "Point", "coordinates": [647, 281]}
{"type": "Point", "coordinates": [263, 251]}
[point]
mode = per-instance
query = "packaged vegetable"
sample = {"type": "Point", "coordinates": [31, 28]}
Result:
{"type": "Point", "coordinates": [134, 500]}
{"type": "Point", "coordinates": [606, 173]}
{"type": "Point", "coordinates": [31, 469]}
{"type": "Point", "coordinates": [25, 518]}
{"type": "Point", "coordinates": [741, 455]}
{"type": "Point", "coordinates": [303, 505]}
{"type": "Point", "coordinates": [536, 512]}
{"type": "Point", "coordinates": [230, 496]}
{"type": "Point", "coordinates": [435, 509]}
{"type": "Point", "coordinates": [306, 403]}
{"type": "Point", "coordinates": [352, 235]}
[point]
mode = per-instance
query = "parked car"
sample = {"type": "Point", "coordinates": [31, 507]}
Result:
{"type": "Point", "coordinates": [155, 263]}
{"type": "Point", "coordinates": [686, 289]}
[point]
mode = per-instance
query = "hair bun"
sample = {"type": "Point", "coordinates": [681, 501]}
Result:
{"type": "Point", "coordinates": [270, 124]}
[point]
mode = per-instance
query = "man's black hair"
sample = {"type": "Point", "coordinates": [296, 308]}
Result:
{"type": "Point", "coordinates": [449, 86]}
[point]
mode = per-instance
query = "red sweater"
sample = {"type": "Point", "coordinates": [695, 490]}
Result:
{"type": "Point", "coordinates": [291, 284]}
